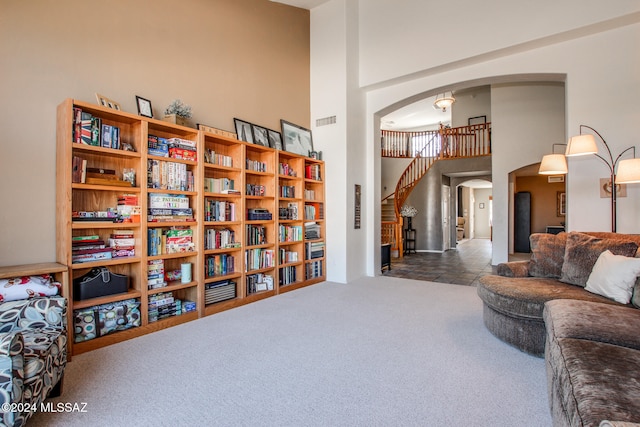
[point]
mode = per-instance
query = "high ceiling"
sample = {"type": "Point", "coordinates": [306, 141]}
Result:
{"type": "Point", "coordinates": [417, 116]}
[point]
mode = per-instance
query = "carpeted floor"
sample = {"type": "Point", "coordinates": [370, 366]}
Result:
{"type": "Point", "coordinates": [377, 352]}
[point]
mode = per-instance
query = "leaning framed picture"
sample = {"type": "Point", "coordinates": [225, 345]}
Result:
{"type": "Point", "coordinates": [243, 129]}
{"type": "Point", "coordinates": [296, 138]}
{"type": "Point", "coordinates": [275, 139]}
{"type": "Point", "coordinates": [144, 107]}
{"type": "Point", "coordinates": [561, 207]}
{"type": "Point", "coordinates": [260, 136]}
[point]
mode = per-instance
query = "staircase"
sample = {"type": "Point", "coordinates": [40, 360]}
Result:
{"type": "Point", "coordinates": [426, 148]}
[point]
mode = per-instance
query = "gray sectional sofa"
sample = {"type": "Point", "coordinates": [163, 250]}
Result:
{"type": "Point", "coordinates": [553, 306]}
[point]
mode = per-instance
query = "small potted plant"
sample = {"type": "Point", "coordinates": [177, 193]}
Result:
{"type": "Point", "coordinates": [177, 112]}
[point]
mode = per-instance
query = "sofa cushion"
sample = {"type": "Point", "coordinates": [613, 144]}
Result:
{"type": "Point", "coordinates": [593, 363]}
{"type": "Point", "coordinates": [582, 252]}
{"type": "Point", "coordinates": [524, 297]}
{"type": "Point", "coordinates": [613, 276]}
{"type": "Point", "coordinates": [547, 254]}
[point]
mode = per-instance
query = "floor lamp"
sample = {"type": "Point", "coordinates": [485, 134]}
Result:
{"type": "Point", "coordinates": [621, 171]}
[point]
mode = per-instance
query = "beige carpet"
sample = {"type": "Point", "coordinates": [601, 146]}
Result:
{"type": "Point", "coordinates": [377, 352]}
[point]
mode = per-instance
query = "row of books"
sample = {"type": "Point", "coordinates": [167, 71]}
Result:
{"type": "Point", "coordinates": [285, 256]}
{"type": "Point", "coordinates": [312, 172]}
{"type": "Point", "coordinates": [220, 186]}
{"type": "Point", "coordinates": [256, 234]}
{"type": "Point", "coordinates": [286, 169]}
{"type": "Point", "coordinates": [290, 212]}
{"type": "Point", "coordinates": [256, 190]}
{"type": "Point", "coordinates": [256, 165]}
{"type": "Point", "coordinates": [169, 176]}
{"type": "Point", "coordinates": [313, 250]}
{"type": "Point", "coordinates": [219, 265]}
{"type": "Point", "coordinates": [314, 269]}
{"type": "Point", "coordinates": [220, 238]}
{"type": "Point", "coordinates": [170, 241]}
{"type": "Point", "coordinates": [90, 130]}
{"type": "Point", "coordinates": [216, 210]}
{"type": "Point", "coordinates": [311, 230]}
{"type": "Point", "coordinates": [259, 282]}
{"type": "Point", "coordinates": [287, 276]}
{"type": "Point", "coordinates": [289, 233]}
{"type": "Point", "coordinates": [256, 259]}
{"type": "Point", "coordinates": [288, 191]}
{"type": "Point", "coordinates": [313, 211]}
{"type": "Point", "coordinates": [211, 157]}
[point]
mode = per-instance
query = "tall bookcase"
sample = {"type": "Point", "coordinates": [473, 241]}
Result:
{"type": "Point", "coordinates": [248, 219]}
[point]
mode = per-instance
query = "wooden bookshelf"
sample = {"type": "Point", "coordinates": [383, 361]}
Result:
{"type": "Point", "coordinates": [230, 178]}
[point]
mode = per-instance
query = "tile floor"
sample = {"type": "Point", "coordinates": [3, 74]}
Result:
{"type": "Point", "coordinates": [461, 266]}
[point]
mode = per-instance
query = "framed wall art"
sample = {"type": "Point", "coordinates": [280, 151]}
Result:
{"type": "Point", "coordinates": [275, 139]}
{"type": "Point", "coordinates": [260, 136]}
{"type": "Point", "coordinates": [243, 129]}
{"type": "Point", "coordinates": [144, 107]}
{"type": "Point", "coordinates": [106, 102]}
{"type": "Point", "coordinates": [296, 138]}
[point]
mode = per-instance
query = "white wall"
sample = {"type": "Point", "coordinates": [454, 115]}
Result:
{"type": "Point", "coordinates": [590, 44]}
{"type": "Point", "coordinates": [334, 87]}
{"type": "Point", "coordinates": [471, 103]}
{"type": "Point", "coordinates": [400, 38]}
{"type": "Point", "coordinates": [527, 120]}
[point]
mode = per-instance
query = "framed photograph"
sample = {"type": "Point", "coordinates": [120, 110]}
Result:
{"type": "Point", "coordinates": [144, 107]}
{"type": "Point", "coordinates": [296, 138]}
{"type": "Point", "coordinates": [275, 139]}
{"type": "Point", "coordinates": [477, 120]}
{"type": "Point", "coordinates": [106, 102]}
{"type": "Point", "coordinates": [243, 129]}
{"type": "Point", "coordinates": [260, 136]}
{"type": "Point", "coordinates": [481, 206]}
{"type": "Point", "coordinates": [562, 204]}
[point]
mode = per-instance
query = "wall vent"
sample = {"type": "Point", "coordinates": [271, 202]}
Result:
{"type": "Point", "coordinates": [326, 121]}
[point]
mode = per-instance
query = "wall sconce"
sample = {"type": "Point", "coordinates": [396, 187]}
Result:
{"type": "Point", "coordinates": [443, 102]}
{"type": "Point", "coordinates": [584, 144]}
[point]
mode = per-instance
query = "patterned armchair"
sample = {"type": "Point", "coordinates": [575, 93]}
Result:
{"type": "Point", "coordinates": [33, 354]}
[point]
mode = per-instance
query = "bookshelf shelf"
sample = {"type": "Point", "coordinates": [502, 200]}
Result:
{"type": "Point", "coordinates": [227, 181]}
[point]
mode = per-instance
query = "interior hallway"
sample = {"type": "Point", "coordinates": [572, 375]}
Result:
{"type": "Point", "coordinates": [462, 266]}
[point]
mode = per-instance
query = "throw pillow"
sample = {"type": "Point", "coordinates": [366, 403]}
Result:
{"type": "Point", "coordinates": [635, 298]}
{"type": "Point", "coordinates": [547, 254]}
{"type": "Point", "coordinates": [613, 276]}
{"type": "Point", "coordinates": [582, 252]}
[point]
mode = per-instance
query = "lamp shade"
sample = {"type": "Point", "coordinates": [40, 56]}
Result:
{"type": "Point", "coordinates": [628, 171]}
{"type": "Point", "coordinates": [553, 164]}
{"type": "Point", "coordinates": [581, 145]}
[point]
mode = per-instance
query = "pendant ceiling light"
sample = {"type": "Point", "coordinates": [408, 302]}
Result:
{"type": "Point", "coordinates": [443, 102]}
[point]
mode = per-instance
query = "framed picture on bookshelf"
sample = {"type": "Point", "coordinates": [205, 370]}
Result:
{"type": "Point", "coordinates": [275, 139]}
{"type": "Point", "coordinates": [260, 136]}
{"type": "Point", "coordinates": [243, 129]}
{"type": "Point", "coordinates": [144, 107]}
{"type": "Point", "coordinates": [106, 102]}
{"type": "Point", "coordinates": [296, 138]}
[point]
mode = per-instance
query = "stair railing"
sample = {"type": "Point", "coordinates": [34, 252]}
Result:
{"type": "Point", "coordinates": [426, 148]}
